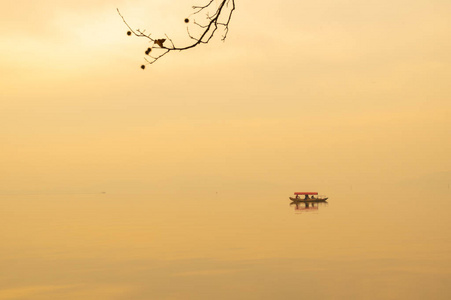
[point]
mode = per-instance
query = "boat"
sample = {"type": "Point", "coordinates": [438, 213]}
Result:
{"type": "Point", "coordinates": [318, 198]}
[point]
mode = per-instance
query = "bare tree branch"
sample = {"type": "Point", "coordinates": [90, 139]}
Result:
{"type": "Point", "coordinates": [212, 19]}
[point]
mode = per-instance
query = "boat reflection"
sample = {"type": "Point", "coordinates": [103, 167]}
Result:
{"type": "Point", "coordinates": [302, 206]}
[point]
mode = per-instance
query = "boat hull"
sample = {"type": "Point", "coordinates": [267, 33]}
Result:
{"type": "Point", "coordinates": [308, 200]}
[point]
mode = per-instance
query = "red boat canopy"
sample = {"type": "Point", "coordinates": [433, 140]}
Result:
{"type": "Point", "coordinates": [306, 193]}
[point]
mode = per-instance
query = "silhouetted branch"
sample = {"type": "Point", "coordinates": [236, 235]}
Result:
{"type": "Point", "coordinates": [212, 19]}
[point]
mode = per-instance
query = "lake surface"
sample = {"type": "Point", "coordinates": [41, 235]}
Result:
{"type": "Point", "coordinates": [366, 243]}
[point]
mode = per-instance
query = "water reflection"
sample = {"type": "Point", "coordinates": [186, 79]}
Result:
{"type": "Point", "coordinates": [302, 206]}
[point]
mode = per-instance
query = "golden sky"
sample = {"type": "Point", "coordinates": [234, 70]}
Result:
{"type": "Point", "coordinates": [199, 153]}
{"type": "Point", "coordinates": [346, 89]}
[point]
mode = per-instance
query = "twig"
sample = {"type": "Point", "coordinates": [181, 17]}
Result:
{"type": "Point", "coordinates": [224, 11]}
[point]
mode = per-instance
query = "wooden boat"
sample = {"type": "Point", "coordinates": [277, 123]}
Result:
{"type": "Point", "coordinates": [306, 198]}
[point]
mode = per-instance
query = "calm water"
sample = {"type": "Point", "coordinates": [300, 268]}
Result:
{"type": "Point", "coordinates": [366, 243]}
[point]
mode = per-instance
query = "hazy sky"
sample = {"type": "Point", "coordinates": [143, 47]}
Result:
{"type": "Point", "coordinates": [349, 98]}
{"type": "Point", "coordinates": [350, 90]}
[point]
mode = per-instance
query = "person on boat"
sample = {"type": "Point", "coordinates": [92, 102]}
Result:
{"type": "Point", "coordinates": [297, 196]}
{"type": "Point", "coordinates": [306, 197]}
